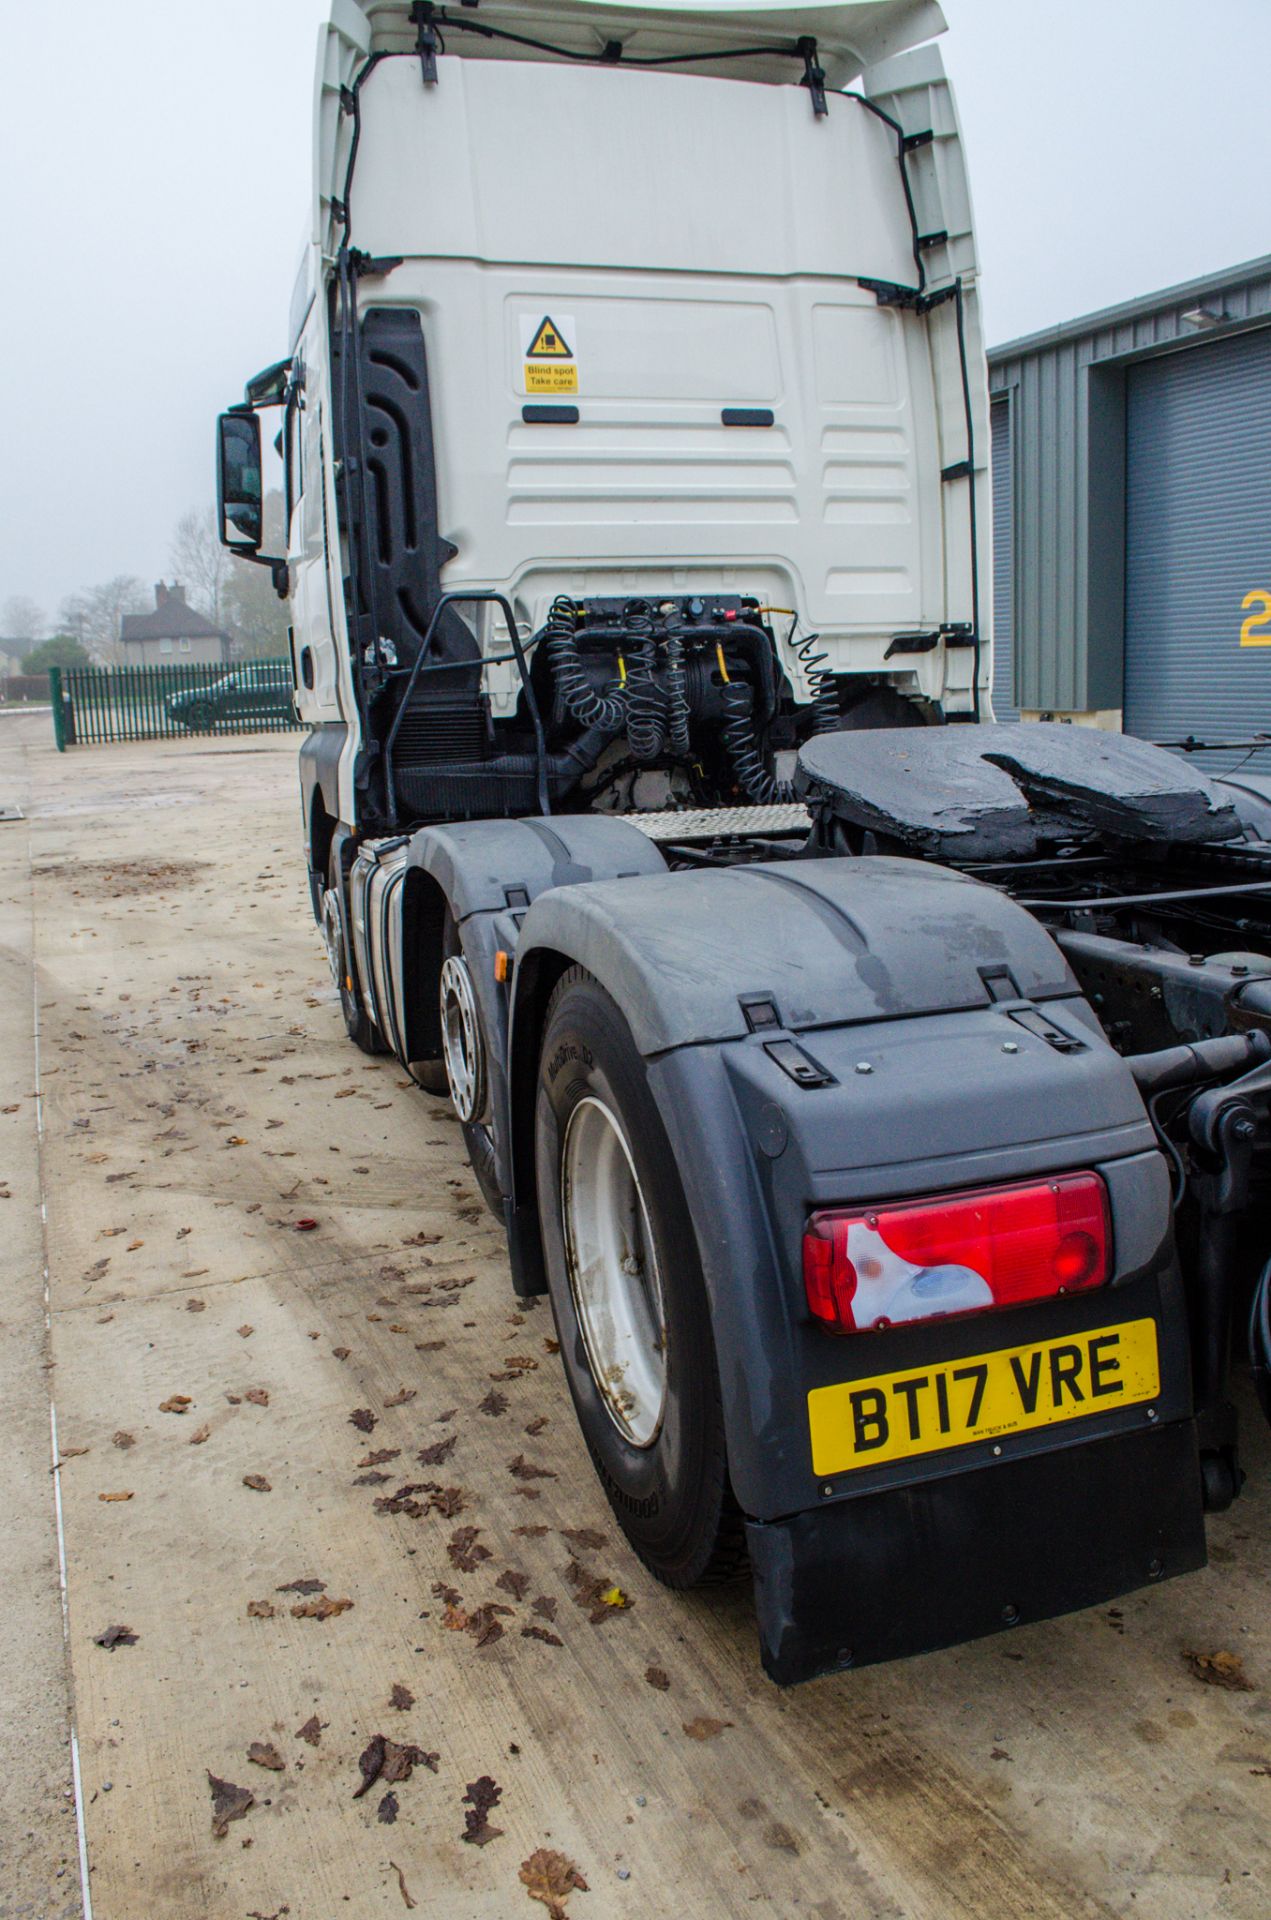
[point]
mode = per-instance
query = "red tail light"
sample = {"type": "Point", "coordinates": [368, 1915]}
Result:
{"type": "Point", "coordinates": [960, 1253]}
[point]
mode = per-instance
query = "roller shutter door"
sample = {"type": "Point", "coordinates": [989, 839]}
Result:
{"type": "Point", "coordinates": [1003, 564]}
{"type": "Point", "coordinates": [1198, 543]}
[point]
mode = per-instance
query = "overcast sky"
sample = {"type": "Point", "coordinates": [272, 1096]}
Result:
{"type": "Point", "coordinates": [156, 161]}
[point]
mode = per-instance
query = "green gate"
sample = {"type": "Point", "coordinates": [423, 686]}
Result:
{"type": "Point", "coordinates": [93, 705]}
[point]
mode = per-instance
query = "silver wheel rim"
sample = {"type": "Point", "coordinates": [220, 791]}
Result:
{"type": "Point", "coordinates": [333, 937]}
{"type": "Point", "coordinates": [461, 1039]}
{"type": "Point", "coordinates": [613, 1271]}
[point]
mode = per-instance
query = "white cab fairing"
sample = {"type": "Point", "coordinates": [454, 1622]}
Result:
{"type": "Point", "coordinates": [699, 243]}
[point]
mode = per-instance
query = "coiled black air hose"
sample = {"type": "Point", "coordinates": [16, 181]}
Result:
{"type": "Point", "coordinates": [677, 708]}
{"type": "Point", "coordinates": [588, 708]}
{"type": "Point", "coordinates": [646, 708]}
{"type": "Point", "coordinates": [825, 696]}
{"type": "Point", "coordinates": [758, 785]}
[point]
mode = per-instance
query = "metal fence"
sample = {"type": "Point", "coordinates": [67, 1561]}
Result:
{"type": "Point", "coordinates": [93, 705]}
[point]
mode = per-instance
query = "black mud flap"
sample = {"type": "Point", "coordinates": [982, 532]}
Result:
{"type": "Point", "coordinates": [915, 1568]}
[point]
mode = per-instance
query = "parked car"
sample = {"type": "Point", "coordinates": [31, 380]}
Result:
{"type": "Point", "coordinates": [257, 692]}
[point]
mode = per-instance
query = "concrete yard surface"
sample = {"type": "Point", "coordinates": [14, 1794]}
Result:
{"type": "Point", "coordinates": [323, 1473]}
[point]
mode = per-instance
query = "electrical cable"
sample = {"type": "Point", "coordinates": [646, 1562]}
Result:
{"type": "Point", "coordinates": [1260, 1338]}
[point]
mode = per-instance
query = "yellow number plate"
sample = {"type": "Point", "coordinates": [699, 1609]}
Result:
{"type": "Point", "coordinates": [894, 1416]}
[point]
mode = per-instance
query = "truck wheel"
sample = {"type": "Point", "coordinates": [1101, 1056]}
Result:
{"type": "Point", "coordinates": [628, 1294]}
{"type": "Point", "coordinates": [466, 1068]}
{"type": "Point", "coordinates": [359, 1026]}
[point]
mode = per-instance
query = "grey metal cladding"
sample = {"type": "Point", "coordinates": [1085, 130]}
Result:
{"type": "Point", "coordinates": [1004, 707]}
{"type": "Point", "coordinates": [1198, 539]}
{"type": "Point", "coordinates": [1067, 391]}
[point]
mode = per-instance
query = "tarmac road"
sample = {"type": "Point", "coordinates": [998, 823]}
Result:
{"type": "Point", "coordinates": [240, 1397]}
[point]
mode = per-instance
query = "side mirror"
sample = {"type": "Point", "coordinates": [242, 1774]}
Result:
{"type": "Point", "coordinates": [239, 487]}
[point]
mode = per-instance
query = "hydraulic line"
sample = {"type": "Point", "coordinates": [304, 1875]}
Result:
{"type": "Point", "coordinates": [677, 709]}
{"type": "Point", "coordinates": [738, 735]}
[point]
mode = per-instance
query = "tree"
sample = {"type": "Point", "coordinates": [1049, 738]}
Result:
{"type": "Point", "coordinates": [62, 650]}
{"type": "Point", "coordinates": [200, 562]}
{"type": "Point", "coordinates": [94, 616]}
{"type": "Point", "coordinates": [22, 619]}
{"type": "Point", "coordinates": [257, 617]}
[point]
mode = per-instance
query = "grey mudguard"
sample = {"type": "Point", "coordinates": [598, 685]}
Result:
{"type": "Point", "coordinates": [832, 941]}
{"type": "Point", "coordinates": [912, 992]}
{"type": "Point", "coordinates": [489, 871]}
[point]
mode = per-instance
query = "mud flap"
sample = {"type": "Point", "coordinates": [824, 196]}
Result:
{"type": "Point", "coordinates": [915, 1568]}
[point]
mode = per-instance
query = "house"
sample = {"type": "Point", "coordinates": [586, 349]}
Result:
{"type": "Point", "coordinates": [173, 632]}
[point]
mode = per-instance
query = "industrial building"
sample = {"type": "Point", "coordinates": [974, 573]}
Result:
{"type": "Point", "coordinates": [1132, 515]}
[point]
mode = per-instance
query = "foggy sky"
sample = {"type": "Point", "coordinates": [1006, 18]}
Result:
{"type": "Point", "coordinates": [156, 158]}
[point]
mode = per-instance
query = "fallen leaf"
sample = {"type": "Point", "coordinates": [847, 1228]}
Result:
{"type": "Point", "coordinates": [704, 1728]}
{"type": "Point", "coordinates": [481, 1796]}
{"type": "Point", "coordinates": [403, 1394]}
{"type": "Point", "coordinates": [1219, 1670]}
{"type": "Point", "coordinates": [123, 1440]}
{"type": "Point", "coordinates": [373, 1479]}
{"type": "Point", "coordinates": [341, 1353]}
{"type": "Point", "coordinates": [261, 1609]}
{"type": "Point", "coordinates": [517, 1584]}
{"type": "Point", "coordinates": [257, 1482]}
{"type": "Point", "coordinates": [542, 1633]}
{"type": "Point", "coordinates": [134, 1246]}
{"type": "Point", "coordinates": [533, 1532]}
{"type": "Point", "coordinates": [494, 1403]}
{"type": "Point", "coordinates": [657, 1678]}
{"type": "Point", "coordinates": [199, 1436]}
{"type": "Point", "coordinates": [536, 1426]}
{"type": "Point", "coordinates": [386, 1812]}
{"type": "Point", "coordinates": [176, 1403]}
{"type": "Point", "coordinates": [228, 1803]}
{"type": "Point", "coordinates": [363, 1419]}
{"type": "Point", "coordinates": [196, 1306]}
{"type": "Point", "coordinates": [324, 1608]}
{"type": "Point", "coordinates": [379, 1456]}
{"type": "Point", "coordinates": [523, 1469]}
{"type": "Point", "coordinates": [439, 1451]}
{"type": "Point", "coordinates": [258, 1396]}
{"type": "Point", "coordinates": [549, 1877]}
{"type": "Point", "coordinates": [303, 1586]}
{"type": "Point", "coordinates": [545, 1606]}
{"type": "Point", "coordinates": [235, 1140]}
{"type": "Point", "coordinates": [245, 1332]}
{"type": "Point", "coordinates": [464, 1551]}
{"type": "Point", "coordinates": [113, 1637]}
{"type": "Point", "coordinates": [312, 1730]}
{"type": "Point", "coordinates": [264, 1754]}
{"type": "Point", "coordinates": [585, 1539]}
{"type": "Point", "coordinates": [551, 1346]}
{"type": "Point", "coordinates": [401, 1883]}
{"type": "Point", "coordinates": [596, 1596]}
{"type": "Point", "coordinates": [385, 1759]}
{"type": "Point", "coordinates": [114, 1496]}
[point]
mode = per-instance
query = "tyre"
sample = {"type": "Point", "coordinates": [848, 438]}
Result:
{"type": "Point", "coordinates": [465, 1060]}
{"type": "Point", "coordinates": [628, 1294]}
{"type": "Point", "coordinates": [358, 1024]}
{"type": "Point", "coordinates": [200, 717]}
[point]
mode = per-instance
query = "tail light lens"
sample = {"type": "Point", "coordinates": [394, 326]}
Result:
{"type": "Point", "coordinates": [959, 1253]}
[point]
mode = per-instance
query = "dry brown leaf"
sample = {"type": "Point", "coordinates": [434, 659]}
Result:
{"type": "Point", "coordinates": [440, 1451]}
{"type": "Point", "coordinates": [514, 1582]}
{"type": "Point", "coordinates": [584, 1539]}
{"type": "Point", "coordinates": [176, 1403]}
{"type": "Point", "coordinates": [72, 1453]}
{"type": "Point", "coordinates": [324, 1608]}
{"type": "Point", "coordinates": [494, 1403]}
{"type": "Point", "coordinates": [257, 1482]}
{"type": "Point", "coordinates": [464, 1550]}
{"type": "Point", "coordinates": [341, 1353]}
{"type": "Point", "coordinates": [264, 1754]}
{"type": "Point", "coordinates": [480, 1797]}
{"type": "Point", "coordinates": [363, 1419]}
{"type": "Point", "coordinates": [523, 1469]}
{"type": "Point", "coordinates": [258, 1396]}
{"type": "Point", "coordinates": [534, 1532]}
{"type": "Point", "coordinates": [261, 1609]}
{"type": "Point", "coordinates": [196, 1306]}
{"type": "Point", "coordinates": [388, 1809]}
{"type": "Point", "coordinates": [1219, 1670]}
{"type": "Point", "coordinates": [303, 1587]}
{"type": "Point", "coordinates": [228, 1803]}
{"type": "Point", "coordinates": [311, 1732]}
{"type": "Point", "coordinates": [704, 1728]}
{"type": "Point", "coordinates": [245, 1332]}
{"type": "Point", "coordinates": [401, 1697]}
{"type": "Point", "coordinates": [542, 1633]}
{"type": "Point", "coordinates": [403, 1394]}
{"type": "Point", "coordinates": [123, 1440]}
{"type": "Point", "coordinates": [113, 1637]}
{"type": "Point", "coordinates": [549, 1877]}
{"type": "Point", "coordinates": [657, 1678]}
{"type": "Point", "coordinates": [115, 1496]}
{"type": "Point", "coordinates": [199, 1435]}
{"type": "Point", "coordinates": [379, 1456]}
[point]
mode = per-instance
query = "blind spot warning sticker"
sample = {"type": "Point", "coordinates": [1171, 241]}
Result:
{"type": "Point", "coordinates": [547, 353]}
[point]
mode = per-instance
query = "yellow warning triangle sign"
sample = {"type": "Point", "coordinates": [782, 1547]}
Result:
{"type": "Point", "coordinates": [548, 342]}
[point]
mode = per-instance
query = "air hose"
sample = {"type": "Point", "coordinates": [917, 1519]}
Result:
{"type": "Point", "coordinates": [646, 708]}
{"type": "Point", "coordinates": [677, 709]}
{"type": "Point", "coordinates": [758, 785]}
{"type": "Point", "coordinates": [825, 697]}
{"type": "Point", "coordinates": [588, 708]}
{"type": "Point", "coordinates": [1260, 1339]}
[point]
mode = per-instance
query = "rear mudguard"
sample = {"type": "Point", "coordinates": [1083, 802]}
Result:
{"type": "Point", "coordinates": [853, 1030]}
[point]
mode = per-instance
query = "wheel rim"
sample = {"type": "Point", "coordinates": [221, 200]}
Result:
{"type": "Point", "coordinates": [613, 1271]}
{"type": "Point", "coordinates": [333, 939]}
{"type": "Point", "coordinates": [461, 1039]}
